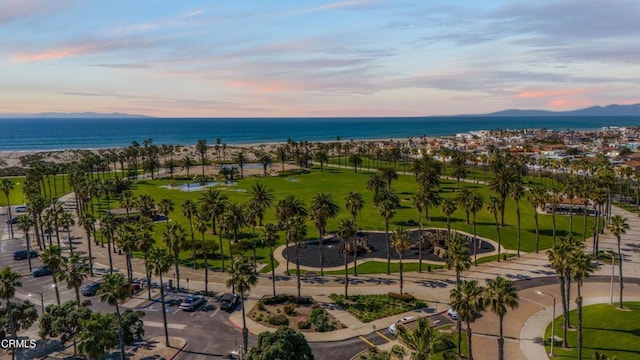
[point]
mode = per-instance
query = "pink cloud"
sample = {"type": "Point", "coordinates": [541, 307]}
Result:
{"type": "Point", "coordinates": [551, 93]}
{"type": "Point", "coordinates": [47, 55]}
{"type": "Point", "coordinates": [262, 86]}
{"type": "Point", "coordinates": [564, 103]}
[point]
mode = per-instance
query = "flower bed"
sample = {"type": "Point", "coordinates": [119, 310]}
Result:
{"type": "Point", "coordinates": [299, 314]}
{"type": "Point", "coordinates": [372, 307]}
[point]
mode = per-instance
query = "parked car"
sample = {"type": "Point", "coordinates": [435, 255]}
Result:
{"type": "Point", "coordinates": [14, 220]}
{"type": "Point", "coordinates": [452, 314]}
{"type": "Point", "coordinates": [91, 288]}
{"type": "Point", "coordinates": [404, 320]}
{"type": "Point", "coordinates": [192, 302]}
{"type": "Point", "coordinates": [22, 208]}
{"type": "Point", "coordinates": [136, 287]}
{"type": "Point", "coordinates": [229, 301]}
{"type": "Point", "coordinates": [41, 271]}
{"type": "Point", "coordinates": [24, 254]}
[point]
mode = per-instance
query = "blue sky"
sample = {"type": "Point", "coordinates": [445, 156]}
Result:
{"type": "Point", "coordinates": [316, 58]}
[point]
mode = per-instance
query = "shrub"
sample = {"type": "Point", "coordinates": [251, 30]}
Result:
{"type": "Point", "coordinates": [302, 300]}
{"type": "Point", "coordinates": [260, 305]}
{"type": "Point", "coordinates": [403, 297]}
{"type": "Point", "coordinates": [278, 320]}
{"type": "Point", "coordinates": [290, 309]}
{"type": "Point", "coordinates": [314, 314]}
{"type": "Point", "coordinates": [259, 318]}
{"type": "Point", "coordinates": [304, 325]}
{"type": "Point", "coordinates": [278, 299]}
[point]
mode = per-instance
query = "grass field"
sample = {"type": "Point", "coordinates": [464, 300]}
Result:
{"type": "Point", "coordinates": [606, 329]}
{"type": "Point", "coordinates": [58, 187]}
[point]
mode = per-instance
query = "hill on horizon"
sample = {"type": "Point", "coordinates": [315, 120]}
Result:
{"type": "Point", "coordinates": [608, 110]}
{"type": "Point", "coordinates": [73, 115]}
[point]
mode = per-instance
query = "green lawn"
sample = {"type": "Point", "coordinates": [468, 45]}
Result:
{"type": "Point", "coordinates": [606, 329]}
{"type": "Point", "coordinates": [58, 187]}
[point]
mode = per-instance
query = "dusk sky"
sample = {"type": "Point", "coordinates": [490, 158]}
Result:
{"type": "Point", "coordinates": [316, 58]}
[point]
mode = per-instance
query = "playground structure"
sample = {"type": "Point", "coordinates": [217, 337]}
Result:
{"type": "Point", "coordinates": [361, 242]}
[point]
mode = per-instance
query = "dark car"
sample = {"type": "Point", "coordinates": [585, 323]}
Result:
{"type": "Point", "coordinates": [41, 271]}
{"type": "Point", "coordinates": [91, 288]}
{"type": "Point", "coordinates": [192, 302]}
{"type": "Point", "coordinates": [136, 287]}
{"type": "Point", "coordinates": [229, 301]}
{"type": "Point", "coordinates": [14, 220]}
{"type": "Point", "coordinates": [24, 254]}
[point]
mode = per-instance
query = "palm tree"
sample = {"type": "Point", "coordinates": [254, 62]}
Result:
{"type": "Point", "coordinates": [427, 197]}
{"type": "Point", "coordinates": [354, 202]}
{"type": "Point", "coordinates": [296, 231]}
{"type": "Point", "coordinates": [495, 206]}
{"type": "Point", "coordinates": [537, 199]}
{"type": "Point", "coordinates": [323, 207]}
{"type": "Point", "coordinates": [400, 242]}
{"type": "Point", "coordinates": [25, 223]}
{"type": "Point", "coordinates": [347, 229]}
{"type": "Point", "coordinates": [9, 282]}
{"type": "Point", "coordinates": [474, 204]}
{"type": "Point", "coordinates": [467, 300]}
{"type": "Point", "coordinates": [242, 278]}
{"type": "Point", "coordinates": [388, 174]}
{"type": "Point", "coordinates": [376, 183]}
{"type": "Point", "coordinates": [214, 203]}
{"type": "Point", "coordinates": [500, 295]}
{"type": "Point", "coordinates": [74, 270]}
{"type": "Point", "coordinates": [458, 258]}
{"type": "Point", "coordinates": [144, 243]}
{"type": "Point", "coordinates": [127, 239]}
{"type": "Point", "coordinates": [52, 259]}
{"type": "Point", "coordinates": [108, 227]}
{"type": "Point", "coordinates": [262, 196]}
{"type": "Point", "coordinates": [558, 259]}
{"type": "Point", "coordinates": [158, 263]}
{"type": "Point", "coordinates": [97, 335]}
{"type": "Point", "coordinates": [166, 207]}
{"type": "Point", "coordinates": [463, 198]}
{"type": "Point", "coordinates": [387, 211]}
{"type": "Point", "coordinates": [580, 266]}
{"type": "Point", "coordinates": [321, 157]}
{"type": "Point", "coordinates": [115, 289]}
{"type": "Point", "coordinates": [503, 180]}
{"type": "Point", "coordinates": [174, 238]}
{"type": "Point", "coordinates": [186, 163]}
{"type": "Point", "coordinates": [235, 218]}
{"type": "Point", "coordinates": [6, 186]}
{"type": "Point", "coordinates": [189, 209]}
{"type": "Point", "coordinates": [202, 224]}
{"type": "Point", "coordinates": [127, 201]}
{"type": "Point", "coordinates": [266, 162]}
{"type": "Point", "coordinates": [240, 159]}
{"type": "Point", "coordinates": [201, 148]}
{"type": "Point", "coordinates": [617, 227]}
{"type": "Point", "coordinates": [516, 192]}
{"type": "Point", "coordinates": [424, 340]}
{"type": "Point", "coordinates": [554, 197]}
{"type": "Point", "coordinates": [448, 208]}
{"type": "Point", "coordinates": [270, 238]}
{"type": "Point", "coordinates": [66, 221]}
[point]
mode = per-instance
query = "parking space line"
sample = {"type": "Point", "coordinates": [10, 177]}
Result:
{"type": "Point", "coordinates": [215, 312]}
{"type": "Point", "coordinates": [367, 341]}
{"type": "Point", "coordinates": [383, 336]}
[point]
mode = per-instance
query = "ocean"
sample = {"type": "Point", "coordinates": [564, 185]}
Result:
{"type": "Point", "coordinates": [59, 134]}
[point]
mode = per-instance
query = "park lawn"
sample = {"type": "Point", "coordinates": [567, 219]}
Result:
{"type": "Point", "coordinates": [59, 187]}
{"type": "Point", "coordinates": [378, 267]}
{"type": "Point", "coordinates": [606, 329]}
{"type": "Point", "coordinates": [341, 181]}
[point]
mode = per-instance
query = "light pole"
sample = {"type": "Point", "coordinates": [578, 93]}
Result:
{"type": "Point", "coordinates": [610, 253]}
{"type": "Point", "coordinates": [553, 320]}
{"type": "Point", "coordinates": [420, 248]}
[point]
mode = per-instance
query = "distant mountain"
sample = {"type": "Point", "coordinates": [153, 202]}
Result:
{"type": "Point", "coordinates": [609, 110]}
{"type": "Point", "coordinates": [83, 115]}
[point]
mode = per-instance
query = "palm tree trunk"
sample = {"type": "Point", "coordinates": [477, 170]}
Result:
{"type": "Point", "coordinates": [321, 253]}
{"type": "Point", "coordinates": [469, 345]}
{"type": "Point", "coordinates": [475, 240]}
{"type": "Point", "coordinates": [459, 328]}
{"type": "Point", "coordinates": [553, 223]}
{"type": "Point", "coordinates": [298, 269]}
{"type": "Point", "coordinates": [164, 313]}
{"type": "Point", "coordinates": [55, 287]}
{"type": "Point", "coordinates": [584, 217]}
{"type": "Point", "coordinates": [110, 258]}
{"type": "Point", "coordinates": [286, 250]}
{"type": "Point", "coordinates": [568, 297]}
{"type": "Point", "coordinates": [535, 218]}
{"type": "Point", "coordinates": [221, 250]}
{"type": "Point", "coordinates": [77, 289]}
{"type": "Point", "coordinates": [245, 331]}
{"type": "Point", "coordinates": [355, 257]}
{"type": "Point", "coordinates": [12, 326]}
{"type": "Point", "coordinates": [570, 215]}
{"type": "Point", "coordinates": [579, 306]}
{"type": "Point", "coordinates": [273, 271]}
{"type": "Point", "coordinates": [518, 223]}
{"type": "Point", "coordinates": [193, 243]}
{"type": "Point", "coordinates": [499, 239]}
{"type": "Point", "coordinates": [565, 311]}
{"type": "Point", "coordinates": [26, 234]}
{"type": "Point", "coordinates": [501, 340]}
{"type": "Point", "coordinates": [401, 277]}
{"type": "Point", "coordinates": [90, 254]}
{"type": "Point", "coordinates": [206, 266]}
{"type": "Point", "coordinates": [386, 238]}
{"type": "Point", "coordinates": [620, 269]}
{"type": "Point", "coordinates": [346, 273]}
{"type": "Point", "coordinates": [176, 259]}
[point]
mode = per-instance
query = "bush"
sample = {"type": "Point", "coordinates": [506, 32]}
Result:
{"type": "Point", "coordinates": [403, 297]}
{"type": "Point", "coordinates": [290, 309]}
{"type": "Point", "coordinates": [315, 313]}
{"type": "Point", "coordinates": [278, 299]}
{"type": "Point", "coordinates": [302, 325]}
{"type": "Point", "coordinates": [260, 305]}
{"type": "Point", "coordinates": [259, 318]}
{"type": "Point", "coordinates": [278, 320]}
{"type": "Point", "coordinates": [305, 300]}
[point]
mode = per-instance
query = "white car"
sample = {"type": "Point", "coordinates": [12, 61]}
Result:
{"type": "Point", "coordinates": [392, 327]}
{"type": "Point", "coordinates": [192, 302]}
{"type": "Point", "coordinates": [452, 314]}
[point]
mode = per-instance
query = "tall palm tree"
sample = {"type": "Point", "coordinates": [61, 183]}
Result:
{"type": "Point", "coordinates": [558, 257]}
{"type": "Point", "coordinates": [424, 340]}
{"type": "Point", "coordinates": [400, 242]}
{"type": "Point", "coordinates": [108, 227]}
{"type": "Point", "coordinates": [580, 266]}
{"type": "Point", "coordinates": [67, 221]}
{"type": "Point", "coordinates": [126, 240]}
{"type": "Point", "coordinates": [52, 258]}
{"type": "Point", "coordinates": [74, 270]}
{"type": "Point", "coordinates": [537, 199]}
{"type": "Point", "coordinates": [347, 229]}
{"type": "Point", "coordinates": [376, 183]}
{"type": "Point", "coordinates": [9, 282]}
{"type": "Point", "coordinates": [458, 258]}
{"type": "Point", "coordinates": [474, 204]}
{"type": "Point", "coordinates": [617, 227]}
{"type": "Point", "coordinates": [127, 201]}
{"type": "Point", "coordinates": [503, 180]}
{"type": "Point", "coordinates": [448, 208]}
{"type": "Point", "coordinates": [387, 211]}
{"type": "Point", "coordinates": [321, 157]}
{"type": "Point", "coordinates": [166, 206]}
{"type": "Point", "coordinates": [186, 163]}
{"type": "Point", "coordinates": [97, 335]}
{"type": "Point", "coordinates": [144, 243]}
{"type": "Point", "coordinates": [174, 238]}
{"type": "Point", "coordinates": [88, 222]}
{"type": "Point", "coordinates": [428, 197]}
{"type": "Point", "coordinates": [323, 207]}
{"type": "Point", "coordinates": [6, 186]}
{"type": "Point", "coordinates": [241, 160]}
{"type": "Point", "coordinates": [262, 196]}
{"type": "Point", "coordinates": [25, 223]}
{"type": "Point", "coordinates": [516, 192]}
{"type": "Point", "coordinates": [463, 198]}
{"type": "Point", "coordinates": [242, 278]}
{"type": "Point", "coordinates": [296, 231]}
{"type": "Point", "coordinates": [495, 206]}
{"type": "Point", "coordinates": [354, 202]}
{"type": "Point", "coordinates": [115, 289]}
{"type": "Point", "coordinates": [234, 216]}
{"type": "Point", "coordinates": [158, 263]}
{"type": "Point", "coordinates": [554, 198]}
{"type": "Point", "coordinates": [467, 300]}
{"type": "Point", "coordinates": [270, 238]}
{"type": "Point", "coordinates": [189, 209]}
{"type": "Point", "coordinates": [500, 295]}
{"type": "Point", "coordinates": [202, 224]}
{"type": "Point", "coordinates": [214, 202]}
{"type": "Point", "coordinates": [266, 162]}
{"type": "Point", "coordinates": [201, 148]}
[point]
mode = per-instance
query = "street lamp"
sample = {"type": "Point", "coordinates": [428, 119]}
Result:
{"type": "Point", "coordinates": [610, 253]}
{"type": "Point", "coordinates": [553, 320]}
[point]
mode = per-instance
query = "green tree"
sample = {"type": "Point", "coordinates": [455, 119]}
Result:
{"type": "Point", "coordinates": [7, 186]}
{"type": "Point", "coordinates": [115, 289]}
{"type": "Point", "coordinates": [201, 148]}
{"type": "Point", "coordinates": [296, 232]}
{"type": "Point", "coordinates": [501, 294]}
{"type": "Point", "coordinates": [108, 227]}
{"type": "Point", "coordinates": [189, 209]}
{"type": "Point", "coordinates": [424, 340]}
{"type": "Point", "coordinates": [448, 208]}
{"type": "Point", "coordinates": [400, 242]}
{"type": "Point", "coordinates": [262, 197]}
{"type": "Point", "coordinates": [495, 206]}
{"type": "Point", "coordinates": [354, 202]}
{"type": "Point", "coordinates": [202, 224]}
{"type": "Point", "coordinates": [214, 202]}
{"type": "Point", "coordinates": [9, 283]}
{"type": "Point", "coordinates": [270, 238]}
{"type": "Point", "coordinates": [158, 263]}
{"type": "Point", "coordinates": [88, 222]}
{"type": "Point", "coordinates": [241, 160]}
{"type": "Point", "coordinates": [283, 344]}
{"type": "Point", "coordinates": [617, 225]}
{"type": "Point", "coordinates": [97, 335]}
{"type": "Point", "coordinates": [242, 278]}
{"type": "Point", "coordinates": [174, 238]}
{"type": "Point", "coordinates": [467, 300]}
{"type": "Point", "coordinates": [74, 270]}
{"type": "Point", "coordinates": [537, 200]}
{"type": "Point", "coordinates": [558, 257]}
{"type": "Point", "coordinates": [52, 258]}
{"type": "Point", "coordinates": [321, 157]}
{"type": "Point", "coordinates": [504, 178]}
{"type": "Point", "coordinates": [580, 266]}
{"type": "Point", "coordinates": [25, 223]}
{"type": "Point", "coordinates": [64, 321]}
{"type": "Point", "coordinates": [387, 211]}
{"type": "Point", "coordinates": [516, 192]}
{"type": "Point", "coordinates": [166, 206]}
{"type": "Point", "coordinates": [347, 229]}
{"type": "Point", "coordinates": [475, 204]}
{"type": "Point", "coordinates": [323, 207]}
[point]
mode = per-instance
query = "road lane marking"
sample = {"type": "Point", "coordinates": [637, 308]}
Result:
{"type": "Point", "coordinates": [382, 336]}
{"type": "Point", "coordinates": [365, 340]}
{"type": "Point", "coordinates": [170, 326]}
